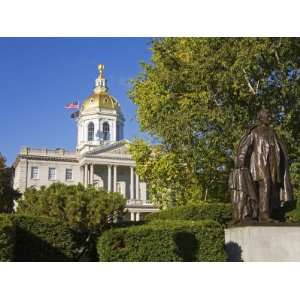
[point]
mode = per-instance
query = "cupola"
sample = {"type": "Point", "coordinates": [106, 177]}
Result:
{"type": "Point", "coordinates": [100, 120]}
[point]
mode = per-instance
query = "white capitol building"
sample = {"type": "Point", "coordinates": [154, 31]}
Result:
{"type": "Point", "coordinates": [101, 158]}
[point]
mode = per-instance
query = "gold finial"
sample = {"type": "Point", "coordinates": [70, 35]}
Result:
{"type": "Point", "coordinates": [100, 69]}
{"type": "Point", "coordinates": [100, 82]}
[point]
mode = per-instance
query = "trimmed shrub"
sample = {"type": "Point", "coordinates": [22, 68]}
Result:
{"type": "Point", "coordinates": [42, 239]}
{"type": "Point", "coordinates": [164, 241]}
{"type": "Point", "coordinates": [220, 212]}
{"type": "Point", "coordinates": [7, 238]}
{"type": "Point", "coordinates": [292, 212]}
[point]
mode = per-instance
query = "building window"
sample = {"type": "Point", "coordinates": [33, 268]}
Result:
{"type": "Point", "coordinates": [91, 131]}
{"type": "Point", "coordinates": [69, 175]}
{"type": "Point", "coordinates": [52, 174]}
{"type": "Point", "coordinates": [105, 131]}
{"type": "Point", "coordinates": [34, 173]}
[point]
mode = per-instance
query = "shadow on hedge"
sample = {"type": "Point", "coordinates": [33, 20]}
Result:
{"type": "Point", "coordinates": [187, 246]}
{"type": "Point", "coordinates": [31, 248]}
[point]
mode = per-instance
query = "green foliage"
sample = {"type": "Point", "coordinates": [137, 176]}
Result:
{"type": "Point", "coordinates": [219, 212]}
{"type": "Point", "coordinates": [295, 177]}
{"type": "Point", "coordinates": [42, 239]}
{"type": "Point", "coordinates": [198, 95]}
{"type": "Point", "coordinates": [165, 174]}
{"type": "Point", "coordinates": [7, 193]}
{"type": "Point", "coordinates": [294, 214]}
{"type": "Point", "coordinates": [293, 211]}
{"type": "Point", "coordinates": [164, 241]}
{"type": "Point", "coordinates": [85, 210]}
{"type": "Point", "coordinates": [7, 238]}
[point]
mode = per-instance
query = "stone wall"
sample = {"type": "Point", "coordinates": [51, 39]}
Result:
{"type": "Point", "coordinates": [272, 243]}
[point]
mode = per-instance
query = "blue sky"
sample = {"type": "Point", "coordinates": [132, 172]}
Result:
{"type": "Point", "coordinates": [38, 76]}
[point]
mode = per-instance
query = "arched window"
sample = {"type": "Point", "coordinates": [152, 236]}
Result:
{"type": "Point", "coordinates": [105, 131]}
{"type": "Point", "coordinates": [91, 131]}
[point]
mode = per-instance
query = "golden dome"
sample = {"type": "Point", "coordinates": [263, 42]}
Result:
{"type": "Point", "coordinates": [100, 100]}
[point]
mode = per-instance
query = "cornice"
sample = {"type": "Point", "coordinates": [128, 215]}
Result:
{"type": "Point", "coordinates": [108, 157]}
{"type": "Point", "coordinates": [47, 158]}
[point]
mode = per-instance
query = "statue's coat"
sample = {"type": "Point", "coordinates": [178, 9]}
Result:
{"type": "Point", "coordinates": [262, 156]}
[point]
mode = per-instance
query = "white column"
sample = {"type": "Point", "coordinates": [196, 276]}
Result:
{"type": "Point", "coordinates": [114, 131]}
{"type": "Point", "coordinates": [109, 178]}
{"type": "Point", "coordinates": [137, 216]}
{"type": "Point", "coordinates": [146, 196]}
{"type": "Point", "coordinates": [132, 216]}
{"type": "Point", "coordinates": [137, 187]}
{"type": "Point", "coordinates": [115, 178]}
{"type": "Point", "coordinates": [82, 174]}
{"type": "Point", "coordinates": [131, 183]}
{"type": "Point", "coordinates": [85, 175]}
{"type": "Point", "coordinates": [92, 174]}
{"type": "Point", "coordinates": [84, 132]}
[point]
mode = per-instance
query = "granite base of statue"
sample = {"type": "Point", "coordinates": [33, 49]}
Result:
{"type": "Point", "coordinates": [260, 186]}
{"type": "Point", "coordinates": [263, 243]}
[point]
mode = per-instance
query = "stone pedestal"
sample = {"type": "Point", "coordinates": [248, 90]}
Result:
{"type": "Point", "coordinates": [273, 243]}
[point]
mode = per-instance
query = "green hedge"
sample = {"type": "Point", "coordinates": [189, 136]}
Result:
{"type": "Point", "coordinates": [42, 239]}
{"type": "Point", "coordinates": [292, 212]}
{"type": "Point", "coordinates": [7, 238]}
{"type": "Point", "coordinates": [164, 241]}
{"type": "Point", "coordinates": [220, 212]}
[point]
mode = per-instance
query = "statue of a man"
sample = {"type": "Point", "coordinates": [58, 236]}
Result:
{"type": "Point", "coordinates": [260, 182]}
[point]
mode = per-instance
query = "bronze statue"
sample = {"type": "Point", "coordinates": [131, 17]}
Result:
{"type": "Point", "coordinates": [260, 182]}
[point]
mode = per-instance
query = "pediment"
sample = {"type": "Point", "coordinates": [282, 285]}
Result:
{"type": "Point", "coordinates": [120, 150]}
{"type": "Point", "coordinates": [116, 149]}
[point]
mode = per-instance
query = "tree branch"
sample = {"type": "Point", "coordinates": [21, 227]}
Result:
{"type": "Point", "coordinates": [276, 52]}
{"type": "Point", "coordinates": [257, 85]}
{"type": "Point", "coordinates": [249, 84]}
{"type": "Point", "coordinates": [277, 57]}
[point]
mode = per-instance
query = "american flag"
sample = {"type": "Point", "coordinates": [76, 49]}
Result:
{"type": "Point", "coordinates": [72, 105]}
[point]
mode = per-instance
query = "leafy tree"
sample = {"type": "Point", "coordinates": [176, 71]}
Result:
{"type": "Point", "coordinates": [197, 97]}
{"type": "Point", "coordinates": [85, 210]}
{"type": "Point", "coordinates": [7, 193]}
{"type": "Point", "coordinates": [165, 173]}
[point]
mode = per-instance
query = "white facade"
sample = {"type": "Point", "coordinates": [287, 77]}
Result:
{"type": "Point", "coordinates": [42, 160]}
{"type": "Point", "coordinates": [101, 157]}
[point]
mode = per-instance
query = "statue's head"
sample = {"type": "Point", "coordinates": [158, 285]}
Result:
{"type": "Point", "coordinates": [264, 117]}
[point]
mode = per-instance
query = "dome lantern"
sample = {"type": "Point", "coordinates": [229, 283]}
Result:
{"type": "Point", "coordinates": [100, 82]}
{"type": "Point", "coordinates": [100, 99]}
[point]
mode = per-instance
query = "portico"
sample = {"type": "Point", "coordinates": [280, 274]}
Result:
{"type": "Point", "coordinates": [122, 179]}
{"type": "Point", "coordinates": [107, 176]}
{"type": "Point", "coordinates": [111, 167]}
